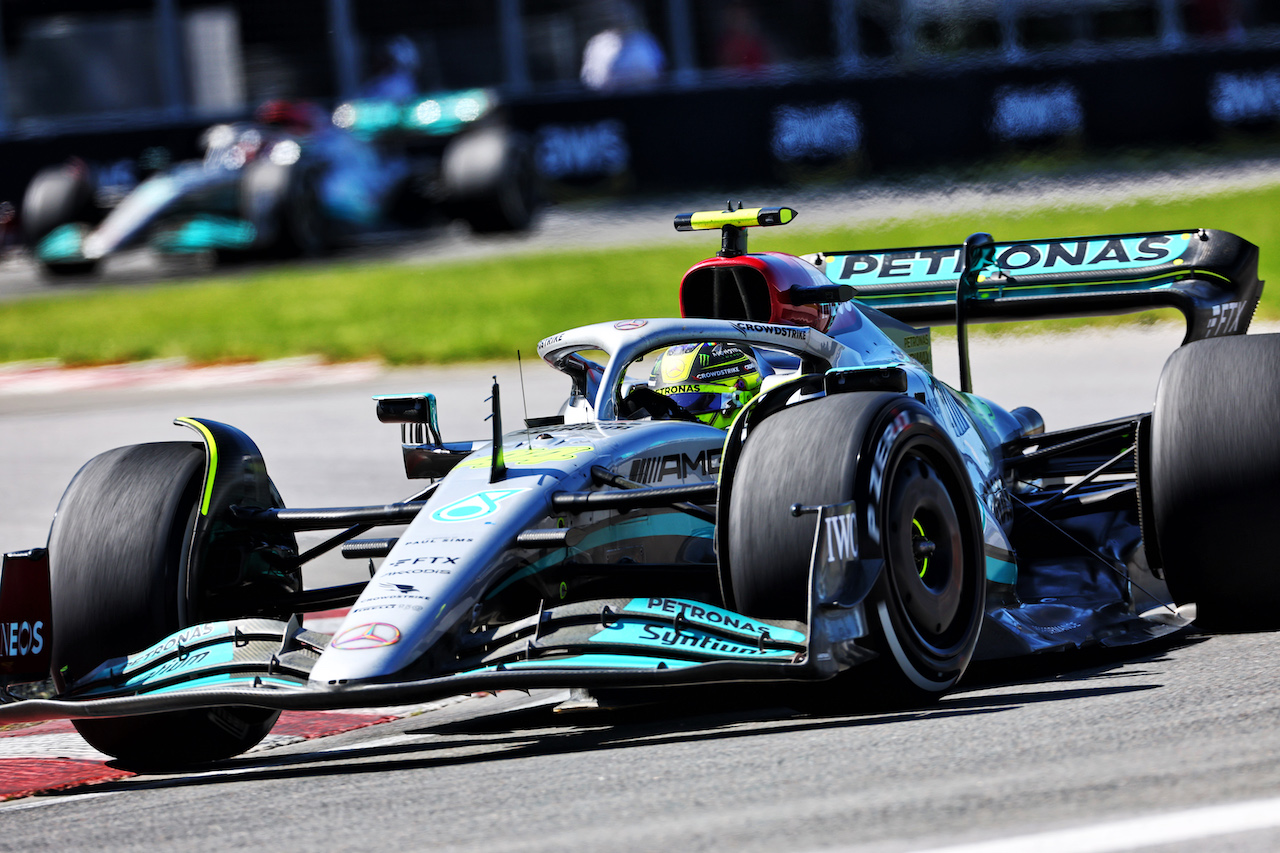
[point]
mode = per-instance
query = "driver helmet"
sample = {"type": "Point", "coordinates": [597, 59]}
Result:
{"type": "Point", "coordinates": [711, 381]}
{"type": "Point", "coordinates": [296, 116]}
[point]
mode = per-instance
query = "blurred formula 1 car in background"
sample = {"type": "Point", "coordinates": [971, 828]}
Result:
{"type": "Point", "coordinates": [294, 182]}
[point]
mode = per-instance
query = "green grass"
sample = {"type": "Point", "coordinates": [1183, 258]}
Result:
{"type": "Point", "coordinates": [406, 314]}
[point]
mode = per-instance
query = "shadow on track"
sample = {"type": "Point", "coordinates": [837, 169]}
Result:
{"type": "Point", "coordinates": [1079, 665]}
{"type": "Point", "coordinates": [677, 716]}
{"type": "Point", "coordinates": [540, 732]}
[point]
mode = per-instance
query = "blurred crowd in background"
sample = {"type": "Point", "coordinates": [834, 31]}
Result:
{"type": "Point", "coordinates": [72, 61]}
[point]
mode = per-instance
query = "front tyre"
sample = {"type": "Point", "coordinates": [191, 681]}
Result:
{"type": "Point", "coordinates": [118, 553]}
{"type": "Point", "coordinates": [58, 196]}
{"type": "Point", "coordinates": [930, 595]}
{"type": "Point", "coordinates": [916, 514]}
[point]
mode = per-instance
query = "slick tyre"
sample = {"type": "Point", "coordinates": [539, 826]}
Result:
{"type": "Point", "coordinates": [1213, 480]}
{"type": "Point", "coordinates": [283, 203]}
{"type": "Point", "coordinates": [60, 272]}
{"type": "Point", "coordinates": [117, 557]}
{"type": "Point", "coordinates": [916, 513]}
{"type": "Point", "coordinates": [490, 180]}
{"type": "Point", "coordinates": [56, 196]}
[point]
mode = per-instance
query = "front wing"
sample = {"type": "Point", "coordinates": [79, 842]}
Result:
{"type": "Point", "coordinates": [265, 663]}
{"type": "Point", "coordinates": [626, 642]}
{"type": "Point", "coordinates": [629, 642]}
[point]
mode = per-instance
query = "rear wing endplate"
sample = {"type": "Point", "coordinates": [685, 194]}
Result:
{"type": "Point", "coordinates": [1210, 276]}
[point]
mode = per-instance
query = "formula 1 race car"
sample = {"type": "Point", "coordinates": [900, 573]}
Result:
{"type": "Point", "coordinates": [295, 181]}
{"type": "Point", "coordinates": [772, 488]}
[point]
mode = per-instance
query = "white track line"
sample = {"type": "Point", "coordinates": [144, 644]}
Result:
{"type": "Point", "coordinates": [37, 803]}
{"type": "Point", "coordinates": [1137, 833]}
{"type": "Point", "coordinates": [63, 745]}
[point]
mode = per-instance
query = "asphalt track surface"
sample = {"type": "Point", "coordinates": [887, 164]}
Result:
{"type": "Point", "coordinates": [1174, 747]}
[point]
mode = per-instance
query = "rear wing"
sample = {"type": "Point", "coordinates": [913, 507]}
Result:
{"type": "Point", "coordinates": [1210, 276]}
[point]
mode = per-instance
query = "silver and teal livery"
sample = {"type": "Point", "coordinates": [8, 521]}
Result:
{"type": "Point", "coordinates": [860, 523]}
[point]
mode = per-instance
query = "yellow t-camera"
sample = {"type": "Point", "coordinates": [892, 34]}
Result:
{"type": "Point", "coordinates": [733, 240]}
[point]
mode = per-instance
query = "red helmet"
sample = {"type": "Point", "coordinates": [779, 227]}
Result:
{"type": "Point", "coordinates": [298, 116]}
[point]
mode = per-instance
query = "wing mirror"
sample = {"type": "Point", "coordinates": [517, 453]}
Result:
{"type": "Point", "coordinates": [426, 456]}
{"type": "Point", "coordinates": [415, 412]}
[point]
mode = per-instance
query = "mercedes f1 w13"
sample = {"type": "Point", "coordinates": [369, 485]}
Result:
{"type": "Point", "coordinates": [773, 487]}
{"type": "Point", "coordinates": [295, 181]}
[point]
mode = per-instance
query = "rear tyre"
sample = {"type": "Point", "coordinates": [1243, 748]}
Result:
{"type": "Point", "coordinates": [887, 453]}
{"type": "Point", "coordinates": [117, 559]}
{"type": "Point", "coordinates": [283, 203]}
{"type": "Point", "coordinates": [490, 180]}
{"type": "Point", "coordinates": [1214, 480]}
